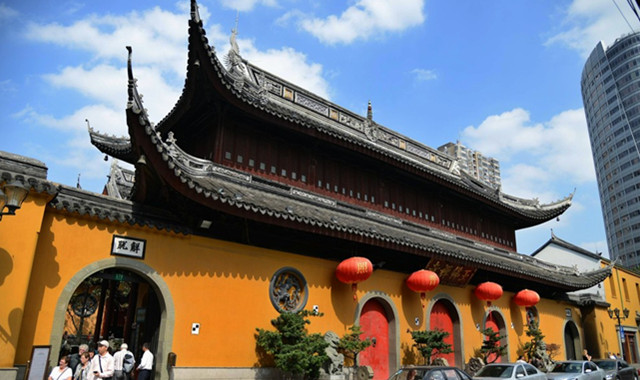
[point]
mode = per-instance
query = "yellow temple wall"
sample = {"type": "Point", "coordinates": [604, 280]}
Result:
{"type": "Point", "coordinates": [622, 291]}
{"type": "Point", "coordinates": [18, 239]}
{"type": "Point", "coordinates": [225, 287]}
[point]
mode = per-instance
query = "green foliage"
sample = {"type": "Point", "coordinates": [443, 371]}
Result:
{"type": "Point", "coordinates": [536, 344]}
{"type": "Point", "coordinates": [491, 347]}
{"type": "Point", "coordinates": [431, 343]}
{"type": "Point", "coordinates": [294, 350]}
{"type": "Point", "coordinates": [351, 344]}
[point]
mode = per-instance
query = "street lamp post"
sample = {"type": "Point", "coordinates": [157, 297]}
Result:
{"type": "Point", "coordinates": [616, 313]}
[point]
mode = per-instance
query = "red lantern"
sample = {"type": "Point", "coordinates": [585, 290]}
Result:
{"type": "Point", "coordinates": [526, 298]}
{"type": "Point", "coordinates": [423, 281]}
{"type": "Point", "coordinates": [354, 270]}
{"type": "Point", "coordinates": [488, 291]}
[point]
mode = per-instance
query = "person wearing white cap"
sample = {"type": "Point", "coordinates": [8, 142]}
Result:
{"type": "Point", "coordinates": [118, 362]}
{"type": "Point", "coordinates": [102, 364]}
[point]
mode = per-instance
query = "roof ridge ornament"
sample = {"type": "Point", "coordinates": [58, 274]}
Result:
{"type": "Point", "coordinates": [234, 61]}
{"type": "Point", "coordinates": [195, 12]}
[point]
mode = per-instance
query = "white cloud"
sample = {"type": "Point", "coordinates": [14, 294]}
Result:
{"type": "Point", "coordinates": [107, 84]}
{"type": "Point", "coordinates": [535, 156]}
{"type": "Point", "coordinates": [247, 5]}
{"type": "Point", "coordinates": [158, 37]}
{"type": "Point", "coordinates": [159, 41]}
{"type": "Point", "coordinates": [7, 12]}
{"type": "Point", "coordinates": [422, 75]}
{"type": "Point", "coordinates": [288, 64]}
{"type": "Point", "coordinates": [587, 22]}
{"type": "Point", "coordinates": [366, 18]}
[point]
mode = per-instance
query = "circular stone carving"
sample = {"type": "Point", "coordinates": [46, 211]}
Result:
{"type": "Point", "coordinates": [84, 305]}
{"type": "Point", "coordinates": [288, 290]}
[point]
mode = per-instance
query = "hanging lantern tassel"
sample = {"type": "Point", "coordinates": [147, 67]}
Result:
{"type": "Point", "coordinates": [354, 270]}
{"type": "Point", "coordinates": [421, 282]}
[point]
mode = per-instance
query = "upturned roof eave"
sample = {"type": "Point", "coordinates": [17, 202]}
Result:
{"type": "Point", "coordinates": [249, 96]}
{"type": "Point", "coordinates": [215, 186]}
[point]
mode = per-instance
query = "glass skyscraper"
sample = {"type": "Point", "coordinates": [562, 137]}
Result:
{"type": "Point", "coordinates": [611, 96]}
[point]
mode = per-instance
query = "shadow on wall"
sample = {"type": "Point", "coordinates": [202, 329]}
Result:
{"type": "Point", "coordinates": [412, 308]}
{"type": "Point", "coordinates": [342, 301]}
{"type": "Point", "coordinates": [11, 336]}
{"type": "Point", "coordinates": [516, 318]}
{"type": "Point", "coordinates": [6, 265]}
{"type": "Point", "coordinates": [46, 274]}
{"type": "Point", "coordinates": [410, 356]}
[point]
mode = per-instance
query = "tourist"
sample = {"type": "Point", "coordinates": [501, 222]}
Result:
{"type": "Point", "coordinates": [74, 359]}
{"type": "Point", "coordinates": [118, 362]}
{"type": "Point", "coordinates": [585, 355]}
{"type": "Point", "coordinates": [102, 364]}
{"type": "Point", "coordinates": [146, 363]}
{"type": "Point", "coordinates": [62, 371]}
{"type": "Point", "coordinates": [83, 370]}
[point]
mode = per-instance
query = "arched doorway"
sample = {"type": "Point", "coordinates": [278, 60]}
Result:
{"type": "Point", "coordinates": [165, 315]}
{"type": "Point", "coordinates": [378, 313]}
{"type": "Point", "coordinates": [495, 321]}
{"type": "Point", "coordinates": [571, 340]}
{"type": "Point", "coordinates": [443, 316]}
{"type": "Point", "coordinates": [375, 326]}
{"type": "Point", "coordinates": [113, 304]}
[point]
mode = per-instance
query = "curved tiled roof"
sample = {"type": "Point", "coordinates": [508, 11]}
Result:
{"type": "Point", "coordinates": [213, 184]}
{"type": "Point", "coordinates": [265, 93]}
{"type": "Point", "coordinates": [242, 194]}
{"type": "Point", "coordinates": [114, 146]}
{"type": "Point", "coordinates": [86, 203]}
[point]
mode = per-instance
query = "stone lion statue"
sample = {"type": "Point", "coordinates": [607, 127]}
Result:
{"type": "Point", "coordinates": [336, 360]}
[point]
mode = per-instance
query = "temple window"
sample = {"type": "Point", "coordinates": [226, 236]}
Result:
{"type": "Point", "coordinates": [625, 288]}
{"type": "Point", "coordinates": [227, 155]}
{"type": "Point", "coordinates": [273, 170]}
{"type": "Point", "coordinates": [263, 166]}
{"type": "Point", "coordinates": [239, 159]}
{"type": "Point", "coordinates": [303, 178]}
{"type": "Point", "coordinates": [294, 175]}
{"type": "Point", "coordinates": [251, 162]}
{"type": "Point", "coordinates": [613, 287]}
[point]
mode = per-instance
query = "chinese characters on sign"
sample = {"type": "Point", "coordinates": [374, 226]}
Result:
{"type": "Point", "coordinates": [451, 274]}
{"type": "Point", "coordinates": [126, 246]}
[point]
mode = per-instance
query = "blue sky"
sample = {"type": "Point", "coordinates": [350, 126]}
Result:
{"type": "Point", "coordinates": [501, 76]}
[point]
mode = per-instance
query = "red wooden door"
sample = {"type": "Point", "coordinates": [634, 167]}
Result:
{"type": "Point", "coordinates": [491, 323]}
{"type": "Point", "coordinates": [441, 319]}
{"type": "Point", "coordinates": [374, 324]}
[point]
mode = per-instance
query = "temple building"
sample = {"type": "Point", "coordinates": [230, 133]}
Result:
{"type": "Point", "coordinates": [242, 204]}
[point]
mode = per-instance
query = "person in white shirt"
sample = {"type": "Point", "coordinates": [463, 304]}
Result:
{"type": "Point", "coordinates": [102, 364]}
{"type": "Point", "coordinates": [118, 362]}
{"type": "Point", "coordinates": [62, 371]}
{"type": "Point", "coordinates": [146, 363]}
